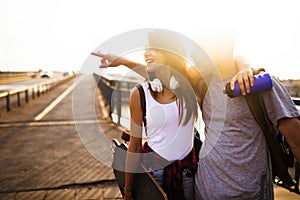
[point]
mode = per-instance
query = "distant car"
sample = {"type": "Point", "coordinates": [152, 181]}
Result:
{"type": "Point", "coordinates": [68, 73]}
{"type": "Point", "coordinates": [46, 74]}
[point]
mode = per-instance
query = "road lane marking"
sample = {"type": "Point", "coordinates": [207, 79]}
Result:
{"type": "Point", "coordinates": [50, 123]}
{"type": "Point", "coordinates": [56, 101]}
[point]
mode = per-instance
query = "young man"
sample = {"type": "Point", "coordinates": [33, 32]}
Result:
{"type": "Point", "coordinates": [234, 159]}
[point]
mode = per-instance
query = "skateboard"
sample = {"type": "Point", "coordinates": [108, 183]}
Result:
{"type": "Point", "coordinates": [144, 186]}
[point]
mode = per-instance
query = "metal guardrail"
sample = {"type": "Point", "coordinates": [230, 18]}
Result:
{"type": "Point", "coordinates": [117, 91]}
{"type": "Point", "coordinates": [296, 101]}
{"type": "Point", "coordinates": [35, 90]}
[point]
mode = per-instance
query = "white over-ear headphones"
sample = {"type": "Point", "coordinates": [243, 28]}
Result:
{"type": "Point", "coordinates": [174, 84]}
{"type": "Point", "coordinates": [156, 85]}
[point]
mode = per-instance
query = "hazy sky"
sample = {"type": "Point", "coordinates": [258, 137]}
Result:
{"type": "Point", "coordinates": [60, 34]}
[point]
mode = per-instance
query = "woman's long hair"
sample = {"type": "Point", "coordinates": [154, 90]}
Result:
{"type": "Point", "coordinates": [186, 99]}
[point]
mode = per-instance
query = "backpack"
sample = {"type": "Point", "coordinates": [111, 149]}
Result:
{"type": "Point", "coordinates": [281, 154]}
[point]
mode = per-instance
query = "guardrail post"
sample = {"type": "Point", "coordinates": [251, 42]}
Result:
{"type": "Point", "coordinates": [8, 102]}
{"type": "Point", "coordinates": [33, 93]}
{"type": "Point", "coordinates": [118, 102]}
{"type": "Point", "coordinates": [19, 100]}
{"type": "Point", "coordinates": [128, 91]}
{"type": "Point", "coordinates": [26, 96]}
{"type": "Point", "coordinates": [38, 90]}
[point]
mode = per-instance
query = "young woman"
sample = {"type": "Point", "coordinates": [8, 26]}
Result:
{"type": "Point", "coordinates": [170, 115]}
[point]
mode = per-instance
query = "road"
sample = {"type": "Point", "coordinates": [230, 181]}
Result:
{"type": "Point", "coordinates": [46, 155]}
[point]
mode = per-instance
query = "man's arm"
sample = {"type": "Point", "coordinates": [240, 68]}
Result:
{"type": "Point", "coordinates": [290, 129]}
{"type": "Point", "coordinates": [244, 75]}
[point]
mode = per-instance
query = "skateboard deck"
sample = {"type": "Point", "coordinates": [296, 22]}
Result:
{"type": "Point", "coordinates": [144, 186]}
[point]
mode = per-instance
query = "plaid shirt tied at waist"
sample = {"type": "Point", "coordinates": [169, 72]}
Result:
{"type": "Point", "coordinates": [173, 170]}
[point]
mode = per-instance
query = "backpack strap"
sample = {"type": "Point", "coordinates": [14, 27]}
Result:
{"type": "Point", "coordinates": [279, 168]}
{"type": "Point", "coordinates": [143, 103]}
{"type": "Point", "coordinates": [258, 110]}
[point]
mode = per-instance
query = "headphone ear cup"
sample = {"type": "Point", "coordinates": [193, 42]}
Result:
{"type": "Point", "coordinates": [174, 84]}
{"type": "Point", "coordinates": [156, 85]}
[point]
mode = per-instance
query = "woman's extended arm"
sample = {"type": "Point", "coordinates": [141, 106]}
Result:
{"type": "Point", "coordinates": [244, 76]}
{"type": "Point", "coordinates": [109, 60]}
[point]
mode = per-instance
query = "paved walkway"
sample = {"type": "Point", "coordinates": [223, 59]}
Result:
{"type": "Point", "coordinates": [44, 160]}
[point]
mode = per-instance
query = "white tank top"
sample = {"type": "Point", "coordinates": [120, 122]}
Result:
{"type": "Point", "coordinates": [164, 135]}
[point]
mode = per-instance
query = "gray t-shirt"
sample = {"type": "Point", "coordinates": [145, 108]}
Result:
{"type": "Point", "coordinates": [234, 159]}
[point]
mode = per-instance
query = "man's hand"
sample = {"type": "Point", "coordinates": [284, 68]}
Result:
{"type": "Point", "coordinates": [245, 79]}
